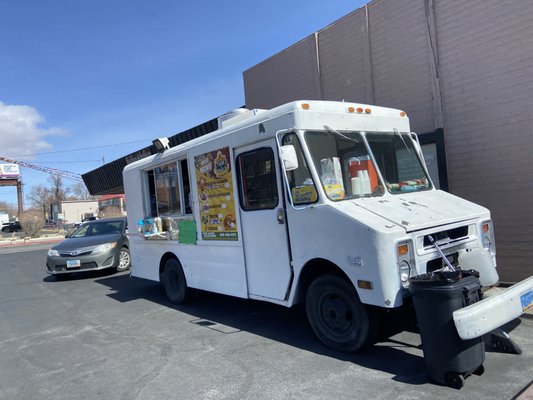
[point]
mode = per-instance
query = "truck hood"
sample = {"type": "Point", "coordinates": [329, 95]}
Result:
{"type": "Point", "coordinates": [416, 211]}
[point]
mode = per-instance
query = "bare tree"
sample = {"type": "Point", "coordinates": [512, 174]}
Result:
{"type": "Point", "coordinates": [58, 189]}
{"type": "Point", "coordinates": [79, 192]}
{"type": "Point", "coordinates": [40, 198]}
{"type": "Point", "coordinates": [32, 222]}
{"type": "Point", "coordinates": [8, 208]}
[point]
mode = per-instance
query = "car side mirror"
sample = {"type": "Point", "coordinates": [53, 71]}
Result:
{"type": "Point", "coordinates": [289, 157]}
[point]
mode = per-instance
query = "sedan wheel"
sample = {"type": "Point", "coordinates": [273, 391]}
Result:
{"type": "Point", "coordinates": [124, 259]}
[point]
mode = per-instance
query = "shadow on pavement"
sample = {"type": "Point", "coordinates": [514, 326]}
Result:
{"type": "Point", "coordinates": [228, 315]}
{"type": "Point", "coordinates": [75, 276]}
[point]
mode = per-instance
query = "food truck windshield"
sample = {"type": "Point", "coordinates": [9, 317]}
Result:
{"type": "Point", "coordinates": [349, 163]}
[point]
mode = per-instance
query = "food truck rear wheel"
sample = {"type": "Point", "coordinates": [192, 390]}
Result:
{"type": "Point", "coordinates": [175, 283]}
{"type": "Point", "coordinates": [336, 314]}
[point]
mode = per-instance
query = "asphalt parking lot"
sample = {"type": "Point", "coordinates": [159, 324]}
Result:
{"type": "Point", "coordinates": [109, 336]}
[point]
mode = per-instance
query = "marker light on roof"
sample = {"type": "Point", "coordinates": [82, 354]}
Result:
{"type": "Point", "coordinates": [368, 110]}
{"type": "Point", "coordinates": [305, 106]}
{"type": "Point", "coordinates": [402, 114]}
{"type": "Point", "coordinates": [350, 109]}
{"type": "Point", "coordinates": [359, 110]}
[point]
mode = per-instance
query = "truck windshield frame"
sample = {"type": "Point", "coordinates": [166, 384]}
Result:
{"type": "Point", "coordinates": [354, 164]}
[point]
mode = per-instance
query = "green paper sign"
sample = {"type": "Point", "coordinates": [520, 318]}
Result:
{"type": "Point", "coordinates": [187, 231]}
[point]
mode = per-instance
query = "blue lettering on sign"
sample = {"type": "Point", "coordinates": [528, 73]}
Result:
{"type": "Point", "coordinates": [527, 300]}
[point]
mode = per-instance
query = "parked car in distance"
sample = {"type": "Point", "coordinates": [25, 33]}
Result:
{"type": "Point", "coordinates": [92, 246]}
{"type": "Point", "coordinates": [12, 227]}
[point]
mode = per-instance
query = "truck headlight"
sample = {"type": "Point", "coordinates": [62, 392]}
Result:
{"type": "Point", "coordinates": [405, 270]}
{"type": "Point", "coordinates": [487, 237]}
{"type": "Point", "coordinates": [406, 262]}
{"type": "Point", "coordinates": [486, 243]}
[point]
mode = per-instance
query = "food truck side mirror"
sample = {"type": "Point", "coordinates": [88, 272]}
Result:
{"type": "Point", "coordinates": [288, 155]}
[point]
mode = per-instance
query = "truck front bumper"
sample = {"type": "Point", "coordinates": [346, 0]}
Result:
{"type": "Point", "coordinates": [494, 311]}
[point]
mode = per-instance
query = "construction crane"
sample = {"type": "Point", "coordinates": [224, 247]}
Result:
{"type": "Point", "coordinates": [53, 171]}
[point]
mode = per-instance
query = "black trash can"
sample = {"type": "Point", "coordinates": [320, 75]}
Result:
{"type": "Point", "coordinates": [436, 295]}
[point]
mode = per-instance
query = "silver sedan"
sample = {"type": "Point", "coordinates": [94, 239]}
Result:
{"type": "Point", "coordinates": [93, 246]}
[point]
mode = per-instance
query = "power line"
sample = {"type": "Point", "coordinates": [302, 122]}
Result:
{"type": "Point", "coordinates": [67, 162]}
{"type": "Point", "coordinates": [80, 149]}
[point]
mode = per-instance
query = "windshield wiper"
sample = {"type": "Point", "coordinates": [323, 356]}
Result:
{"type": "Point", "coordinates": [396, 132]}
{"type": "Point", "coordinates": [329, 128]}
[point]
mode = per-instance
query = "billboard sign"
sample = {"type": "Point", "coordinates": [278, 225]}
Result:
{"type": "Point", "coordinates": [9, 171]}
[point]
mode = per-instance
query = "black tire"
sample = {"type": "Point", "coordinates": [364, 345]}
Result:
{"type": "Point", "coordinates": [124, 260]}
{"type": "Point", "coordinates": [337, 316]}
{"type": "Point", "coordinates": [175, 284]}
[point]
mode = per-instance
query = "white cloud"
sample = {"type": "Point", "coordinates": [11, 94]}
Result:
{"type": "Point", "coordinates": [20, 131]}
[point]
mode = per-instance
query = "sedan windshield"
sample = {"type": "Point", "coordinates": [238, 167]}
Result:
{"type": "Point", "coordinates": [347, 169]}
{"type": "Point", "coordinates": [98, 228]}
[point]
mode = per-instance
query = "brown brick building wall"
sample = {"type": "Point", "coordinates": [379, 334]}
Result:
{"type": "Point", "coordinates": [465, 67]}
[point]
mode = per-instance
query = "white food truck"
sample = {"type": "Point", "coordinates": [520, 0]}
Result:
{"type": "Point", "coordinates": [324, 203]}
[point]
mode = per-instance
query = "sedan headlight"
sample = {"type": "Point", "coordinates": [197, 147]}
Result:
{"type": "Point", "coordinates": [104, 247]}
{"type": "Point", "coordinates": [53, 253]}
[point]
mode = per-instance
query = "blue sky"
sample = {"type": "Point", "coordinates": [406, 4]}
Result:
{"type": "Point", "coordinates": [85, 81]}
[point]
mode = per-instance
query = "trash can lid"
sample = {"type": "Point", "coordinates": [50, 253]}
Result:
{"type": "Point", "coordinates": [441, 278]}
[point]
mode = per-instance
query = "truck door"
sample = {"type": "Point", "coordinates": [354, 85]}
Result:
{"type": "Point", "coordinates": [265, 237]}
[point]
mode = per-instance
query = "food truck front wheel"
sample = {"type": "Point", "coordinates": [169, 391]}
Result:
{"type": "Point", "coordinates": [337, 316]}
{"type": "Point", "coordinates": [175, 283]}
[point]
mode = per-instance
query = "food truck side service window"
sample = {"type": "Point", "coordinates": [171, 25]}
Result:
{"type": "Point", "coordinates": [258, 188]}
{"type": "Point", "coordinates": [164, 188]}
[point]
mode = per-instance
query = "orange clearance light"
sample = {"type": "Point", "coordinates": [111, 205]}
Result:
{"type": "Point", "coordinates": [485, 228]}
{"type": "Point", "coordinates": [359, 110]}
{"type": "Point", "coordinates": [368, 110]}
{"type": "Point", "coordinates": [402, 114]}
{"type": "Point", "coordinates": [403, 249]}
{"type": "Point", "coordinates": [365, 284]}
{"type": "Point", "coordinates": [350, 109]}
{"type": "Point", "coordinates": [306, 106]}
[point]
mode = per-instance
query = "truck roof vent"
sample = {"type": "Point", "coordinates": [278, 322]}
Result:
{"type": "Point", "coordinates": [224, 119]}
{"type": "Point", "coordinates": [234, 116]}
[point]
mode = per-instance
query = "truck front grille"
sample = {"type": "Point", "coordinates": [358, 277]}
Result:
{"type": "Point", "coordinates": [447, 237]}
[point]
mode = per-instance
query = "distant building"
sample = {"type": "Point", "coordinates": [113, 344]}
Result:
{"type": "Point", "coordinates": [111, 205]}
{"type": "Point", "coordinates": [73, 211]}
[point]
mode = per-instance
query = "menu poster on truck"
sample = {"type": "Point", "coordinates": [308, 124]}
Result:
{"type": "Point", "coordinates": [215, 194]}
